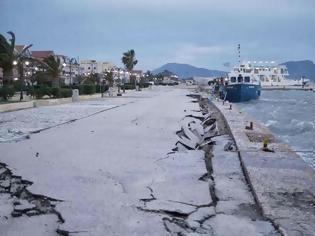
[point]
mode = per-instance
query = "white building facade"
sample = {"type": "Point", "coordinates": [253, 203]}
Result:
{"type": "Point", "coordinates": [70, 69]}
{"type": "Point", "coordinates": [92, 66]}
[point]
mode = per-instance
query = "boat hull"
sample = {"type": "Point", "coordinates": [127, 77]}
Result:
{"type": "Point", "coordinates": [242, 92]}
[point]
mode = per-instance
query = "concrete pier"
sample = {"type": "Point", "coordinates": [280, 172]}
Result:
{"type": "Point", "coordinates": [306, 88]}
{"type": "Point", "coordinates": [283, 185]}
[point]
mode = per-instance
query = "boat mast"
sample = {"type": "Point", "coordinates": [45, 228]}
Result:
{"type": "Point", "coordinates": [239, 53]}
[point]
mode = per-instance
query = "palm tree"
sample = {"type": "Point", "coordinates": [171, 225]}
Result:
{"type": "Point", "coordinates": [8, 55]}
{"type": "Point", "coordinates": [129, 60]}
{"type": "Point", "coordinates": [53, 68]}
{"type": "Point", "coordinates": [109, 78]}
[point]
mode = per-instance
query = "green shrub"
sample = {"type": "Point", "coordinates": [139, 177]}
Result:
{"type": "Point", "coordinates": [30, 91]}
{"type": "Point", "coordinates": [16, 85]}
{"type": "Point", "coordinates": [89, 89]}
{"type": "Point", "coordinates": [40, 91]}
{"type": "Point", "coordinates": [99, 90]}
{"type": "Point", "coordinates": [61, 92]}
{"type": "Point", "coordinates": [56, 92]}
{"type": "Point", "coordinates": [144, 85]}
{"type": "Point", "coordinates": [6, 92]}
{"type": "Point", "coordinates": [65, 93]}
{"type": "Point", "coordinates": [66, 86]}
{"type": "Point", "coordinates": [86, 89]}
{"type": "Point", "coordinates": [44, 90]}
{"type": "Point", "coordinates": [129, 86]}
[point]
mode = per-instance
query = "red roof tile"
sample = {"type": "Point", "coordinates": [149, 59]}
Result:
{"type": "Point", "coordinates": [19, 48]}
{"type": "Point", "coordinates": [42, 54]}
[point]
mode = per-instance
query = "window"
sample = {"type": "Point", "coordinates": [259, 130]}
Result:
{"type": "Point", "coordinates": [247, 79]}
{"type": "Point", "coordinates": [240, 79]}
{"type": "Point", "coordinates": [233, 79]}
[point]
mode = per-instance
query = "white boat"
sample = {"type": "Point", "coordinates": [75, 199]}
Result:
{"type": "Point", "coordinates": [273, 76]}
{"type": "Point", "coordinates": [241, 85]}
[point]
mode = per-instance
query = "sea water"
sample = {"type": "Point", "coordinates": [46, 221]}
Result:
{"type": "Point", "coordinates": [290, 115]}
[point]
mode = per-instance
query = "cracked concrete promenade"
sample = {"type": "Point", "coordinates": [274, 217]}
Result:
{"type": "Point", "coordinates": [155, 163]}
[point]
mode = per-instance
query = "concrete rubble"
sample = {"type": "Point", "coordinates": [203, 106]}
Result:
{"type": "Point", "coordinates": [24, 202]}
{"type": "Point", "coordinates": [230, 198]}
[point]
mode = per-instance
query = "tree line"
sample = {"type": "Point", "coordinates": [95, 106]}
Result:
{"type": "Point", "coordinates": [48, 71]}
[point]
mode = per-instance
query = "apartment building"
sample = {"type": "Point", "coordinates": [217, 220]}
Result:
{"type": "Point", "coordinates": [93, 66]}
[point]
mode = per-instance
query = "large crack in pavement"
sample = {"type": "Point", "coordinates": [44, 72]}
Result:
{"type": "Point", "coordinates": [24, 136]}
{"type": "Point", "coordinates": [181, 217]}
{"type": "Point", "coordinates": [202, 131]}
{"type": "Point", "coordinates": [235, 199]}
{"type": "Point", "coordinates": [231, 197]}
{"type": "Point", "coordinates": [26, 203]}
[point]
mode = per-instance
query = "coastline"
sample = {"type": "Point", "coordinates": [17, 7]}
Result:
{"type": "Point", "coordinates": [282, 183]}
{"type": "Point", "coordinates": [289, 115]}
{"type": "Point", "coordinates": [287, 88]}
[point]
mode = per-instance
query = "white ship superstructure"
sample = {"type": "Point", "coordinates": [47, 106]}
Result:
{"type": "Point", "coordinates": [271, 75]}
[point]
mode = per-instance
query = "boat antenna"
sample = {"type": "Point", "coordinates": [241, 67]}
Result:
{"type": "Point", "coordinates": [239, 53]}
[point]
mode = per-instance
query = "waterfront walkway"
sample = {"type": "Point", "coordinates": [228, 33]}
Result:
{"type": "Point", "coordinates": [155, 162]}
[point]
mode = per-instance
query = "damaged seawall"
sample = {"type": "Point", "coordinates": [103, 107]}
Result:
{"type": "Point", "coordinates": [283, 185]}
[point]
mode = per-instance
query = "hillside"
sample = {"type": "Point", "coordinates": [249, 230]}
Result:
{"type": "Point", "coordinates": [186, 70]}
{"type": "Point", "coordinates": [297, 69]}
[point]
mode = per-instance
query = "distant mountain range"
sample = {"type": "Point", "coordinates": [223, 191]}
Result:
{"type": "Point", "coordinates": [296, 69]}
{"type": "Point", "coordinates": [185, 71]}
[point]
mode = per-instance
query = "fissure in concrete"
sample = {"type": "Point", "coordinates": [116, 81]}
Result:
{"type": "Point", "coordinates": [26, 203]}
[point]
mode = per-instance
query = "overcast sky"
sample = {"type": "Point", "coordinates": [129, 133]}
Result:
{"type": "Point", "coordinates": [203, 33]}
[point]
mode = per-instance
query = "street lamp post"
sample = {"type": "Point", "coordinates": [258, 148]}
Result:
{"type": "Point", "coordinates": [64, 72]}
{"type": "Point", "coordinates": [34, 72]}
{"type": "Point", "coordinates": [118, 82]}
{"type": "Point", "coordinates": [22, 78]}
{"type": "Point", "coordinates": [107, 81]}
{"type": "Point", "coordinates": [123, 80]}
{"type": "Point", "coordinates": [102, 86]}
{"type": "Point", "coordinates": [100, 83]}
{"type": "Point", "coordinates": [72, 61]}
{"type": "Point", "coordinates": [20, 65]}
